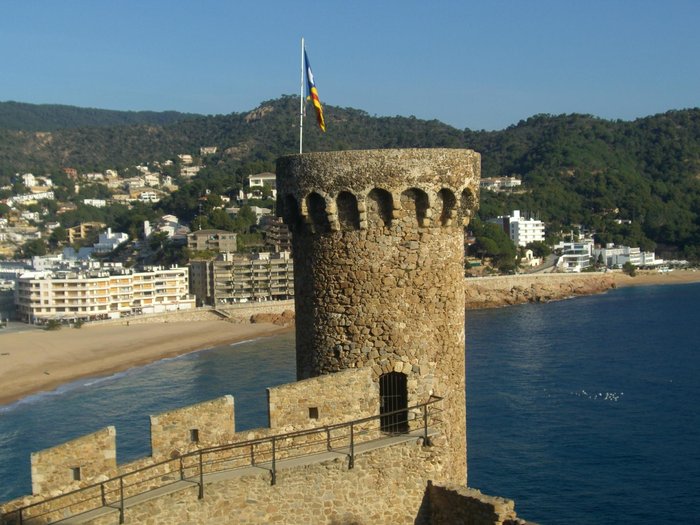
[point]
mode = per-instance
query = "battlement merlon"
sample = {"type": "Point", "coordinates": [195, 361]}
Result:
{"type": "Point", "coordinates": [343, 185]}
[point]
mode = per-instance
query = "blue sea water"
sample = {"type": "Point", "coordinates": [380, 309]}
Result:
{"type": "Point", "coordinates": [583, 411]}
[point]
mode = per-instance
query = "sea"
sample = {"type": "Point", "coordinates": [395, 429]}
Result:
{"type": "Point", "coordinates": [584, 411]}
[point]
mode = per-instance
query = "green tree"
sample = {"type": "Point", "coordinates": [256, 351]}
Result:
{"type": "Point", "coordinates": [33, 248]}
{"type": "Point", "coordinates": [629, 268]}
{"type": "Point", "coordinates": [539, 249]}
{"type": "Point", "coordinates": [58, 236]}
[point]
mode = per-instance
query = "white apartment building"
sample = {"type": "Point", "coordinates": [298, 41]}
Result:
{"type": "Point", "coordinates": [521, 231]}
{"type": "Point", "coordinates": [97, 203]}
{"type": "Point", "coordinates": [500, 183]}
{"type": "Point", "coordinates": [618, 255]}
{"type": "Point", "coordinates": [26, 198]}
{"type": "Point", "coordinates": [102, 294]}
{"type": "Point", "coordinates": [575, 255]}
{"type": "Point", "coordinates": [108, 241]}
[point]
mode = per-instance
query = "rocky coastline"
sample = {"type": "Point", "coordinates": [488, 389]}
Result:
{"type": "Point", "coordinates": [493, 292]}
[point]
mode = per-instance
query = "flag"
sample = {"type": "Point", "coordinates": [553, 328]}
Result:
{"type": "Point", "coordinates": [313, 93]}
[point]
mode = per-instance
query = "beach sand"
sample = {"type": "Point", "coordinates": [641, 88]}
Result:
{"type": "Point", "coordinates": [654, 277]}
{"type": "Point", "coordinates": [40, 360]}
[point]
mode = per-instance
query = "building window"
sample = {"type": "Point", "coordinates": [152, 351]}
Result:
{"type": "Point", "coordinates": [313, 412]}
{"type": "Point", "coordinates": [194, 435]}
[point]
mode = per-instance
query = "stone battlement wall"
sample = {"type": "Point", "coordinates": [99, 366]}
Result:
{"type": "Point", "coordinates": [385, 485]}
{"type": "Point", "coordinates": [315, 402]}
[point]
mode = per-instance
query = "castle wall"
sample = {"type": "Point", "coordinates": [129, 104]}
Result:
{"type": "Point", "coordinates": [323, 400]}
{"type": "Point", "coordinates": [192, 427]}
{"type": "Point", "coordinates": [93, 455]}
{"type": "Point", "coordinates": [454, 504]}
{"type": "Point", "coordinates": [381, 280]}
{"type": "Point", "coordinates": [386, 486]}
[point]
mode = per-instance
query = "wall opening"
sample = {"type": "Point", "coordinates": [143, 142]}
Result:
{"type": "Point", "coordinates": [468, 205]}
{"type": "Point", "coordinates": [292, 217]}
{"type": "Point", "coordinates": [449, 201]}
{"type": "Point", "coordinates": [380, 206]}
{"type": "Point", "coordinates": [75, 473]}
{"type": "Point", "coordinates": [415, 201]}
{"type": "Point", "coordinates": [393, 399]}
{"type": "Point", "coordinates": [317, 211]}
{"type": "Point", "coordinates": [194, 435]}
{"type": "Point", "coordinates": [348, 214]}
{"type": "Point", "coordinates": [313, 412]}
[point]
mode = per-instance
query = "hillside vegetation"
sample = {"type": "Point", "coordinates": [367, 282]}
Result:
{"type": "Point", "coordinates": [19, 116]}
{"type": "Point", "coordinates": [576, 169]}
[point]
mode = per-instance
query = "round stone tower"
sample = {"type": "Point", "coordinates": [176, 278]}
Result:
{"type": "Point", "coordinates": [378, 244]}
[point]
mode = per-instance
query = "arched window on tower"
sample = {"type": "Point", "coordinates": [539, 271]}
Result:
{"type": "Point", "coordinates": [468, 205]}
{"type": "Point", "coordinates": [380, 206]}
{"type": "Point", "coordinates": [449, 202]}
{"type": "Point", "coordinates": [292, 217]}
{"type": "Point", "coordinates": [317, 211]}
{"type": "Point", "coordinates": [348, 214]}
{"type": "Point", "coordinates": [415, 201]}
{"type": "Point", "coordinates": [393, 398]}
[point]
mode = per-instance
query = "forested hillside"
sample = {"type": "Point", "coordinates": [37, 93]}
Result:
{"type": "Point", "coordinates": [576, 169]}
{"type": "Point", "coordinates": [19, 116]}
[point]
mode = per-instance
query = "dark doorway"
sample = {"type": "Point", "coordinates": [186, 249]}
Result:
{"type": "Point", "coordinates": [393, 398]}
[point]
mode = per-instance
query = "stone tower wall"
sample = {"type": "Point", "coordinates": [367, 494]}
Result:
{"type": "Point", "coordinates": [379, 276]}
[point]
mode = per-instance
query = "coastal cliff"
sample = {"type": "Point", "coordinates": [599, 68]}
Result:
{"type": "Point", "coordinates": [492, 292]}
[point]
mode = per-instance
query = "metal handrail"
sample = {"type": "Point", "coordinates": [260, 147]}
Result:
{"type": "Point", "coordinates": [198, 456]}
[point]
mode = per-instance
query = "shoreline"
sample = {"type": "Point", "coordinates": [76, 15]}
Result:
{"type": "Point", "coordinates": [38, 361]}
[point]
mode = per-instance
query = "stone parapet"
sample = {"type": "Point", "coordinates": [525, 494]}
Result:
{"type": "Point", "coordinates": [192, 427]}
{"type": "Point", "coordinates": [75, 463]}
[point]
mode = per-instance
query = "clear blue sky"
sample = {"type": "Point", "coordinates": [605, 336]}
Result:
{"type": "Point", "coordinates": [480, 65]}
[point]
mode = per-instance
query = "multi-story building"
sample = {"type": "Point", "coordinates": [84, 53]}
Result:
{"type": "Point", "coordinates": [83, 230]}
{"type": "Point", "coordinates": [500, 183]}
{"type": "Point", "coordinates": [277, 236]}
{"type": "Point", "coordinates": [241, 278]}
{"type": "Point", "coordinates": [212, 240]}
{"type": "Point", "coordinates": [521, 231]}
{"type": "Point", "coordinates": [100, 294]}
{"type": "Point", "coordinates": [617, 256]}
{"type": "Point", "coordinates": [575, 256]}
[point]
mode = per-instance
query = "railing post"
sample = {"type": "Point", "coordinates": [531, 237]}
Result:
{"type": "Point", "coordinates": [201, 476]}
{"type": "Point", "coordinates": [121, 499]}
{"type": "Point", "coordinates": [20, 517]}
{"type": "Point", "coordinates": [274, 463]}
{"type": "Point", "coordinates": [182, 469]}
{"type": "Point", "coordinates": [425, 424]}
{"type": "Point", "coordinates": [351, 463]}
{"type": "Point", "coordinates": [252, 455]}
{"type": "Point", "coordinates": [328, 439]}
{"type": "Point", "coordinates": [102, 494]}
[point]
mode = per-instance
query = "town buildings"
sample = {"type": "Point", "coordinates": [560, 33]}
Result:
{"type": "Point", "coordinates": [521, 230]}
{"type": "Point", "coordinates": [235, 278]}
{"type": "Point", "coordinates": [104, 293]}
{"type": "Point", "coordinates": [212, 240]}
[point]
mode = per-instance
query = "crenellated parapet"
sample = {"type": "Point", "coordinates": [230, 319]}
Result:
{"type": "Point", "coordinates": [360, 190]}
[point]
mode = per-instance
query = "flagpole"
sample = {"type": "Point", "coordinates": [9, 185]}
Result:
{"type": "Point", "coordinates": [301, 101]}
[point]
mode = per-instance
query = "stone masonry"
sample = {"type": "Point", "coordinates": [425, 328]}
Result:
{"type": "Point", "coordinates": [381, 280]}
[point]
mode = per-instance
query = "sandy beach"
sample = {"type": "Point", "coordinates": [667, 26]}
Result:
{"type": "Point", "coordinates": [40, 360]}
{"type": "Point", "coordinates": [654, 277]}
